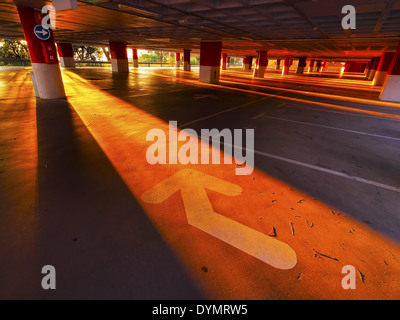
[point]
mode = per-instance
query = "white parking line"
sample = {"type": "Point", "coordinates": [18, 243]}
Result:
{"type": "Point", "coordinates": [318, 168]}
{"type": "Point", "coordinates": [336, 173]}
{"type": "Point", "coordinates": [347, 113]}
{"type": "Point", "coordinates": [327, 127]}
{"type": "Point", "coordinates": [221, 112]}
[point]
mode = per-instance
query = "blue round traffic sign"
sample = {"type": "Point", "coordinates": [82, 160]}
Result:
{"type": "Point", "coordinates": [41, 33]}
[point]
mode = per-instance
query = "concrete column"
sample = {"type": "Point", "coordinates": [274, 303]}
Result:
{"type": "Point", "coordinates": [186, 60]}
{"type": "Point", "coordinates": [261, 64]}
{"type": "Point", "coordinates": [383, 67]}
{"type": "Point", "coordinates": [374, 66]}
{"type": "Point", "coordinates": [367, 68]}
{"type": "Point", "coordinates": [302, 65]}
{"type": "Point", "coordinates": [391, 86]}
{"type": "Point", "coordinates": [66, 54]}
{"type": "Point", "coordinates": [286, 65]}
{"type": "Point", "coordinates": [224, 61]}
{"type": "Point", "coordinates": [135, 58]}
{"type": "Point", "coordinates": [247, 62]}
{"type": "Point", "coordinates": [311, 67]}
{"type": "Point", "coordinates": [177, 59]}
{"type": "Point", "coordinates": [43, 53]}
{"type": "Point", "coordinates": [354, 66]}
{"type": "Point", "coordinates": [119, 57]}
{"type": "Point", "coordinates": [210, 61]}
{"type": "Point", "coordinates": [278, 64]}
{"type": "Point", "coordinates": [318, 66]}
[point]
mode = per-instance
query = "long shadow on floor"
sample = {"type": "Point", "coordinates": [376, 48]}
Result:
{"type": "Point", "coordinates": [90, 227]}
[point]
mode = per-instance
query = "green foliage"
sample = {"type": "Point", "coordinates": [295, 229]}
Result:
{"type": "Point", "coordinates": [13, 49]}
{"type": "Point", "coordinates": [88, 53]}
{"type": "Point", "coordinates": [155, 56]}
{"type": "Point", "coordinates": [194, 59]}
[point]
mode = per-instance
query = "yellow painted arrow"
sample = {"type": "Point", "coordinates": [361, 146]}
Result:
{"type": "Point", "coordinates": [201, 215]}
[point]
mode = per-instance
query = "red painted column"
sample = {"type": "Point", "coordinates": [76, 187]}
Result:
{"type": "Point", "coordinates": [286, 65]}
{"type": "Point", "coordinates": [311, 67]}
{"type": "Point", "coordinates": [374, 66]}
{"type": "Point", "coordinates": [278, 64]}
{"type": "Point", "coordinates": [318, 66]}
{"type": "Point", "coordinates": [66, 54]}
{"type": "Point", "coordinates": [177, 59]}
{"type": "Point", "coordinates": [261, 64]}
{"type": "Point", "coordinates": [135, 58]}
{"type": "Point", "coordinates": [247, 62]}
{"type": "Point", "coordinates": [367, 68]}
{"type": "Point", "coordinates": [302, 65]}
{"type": "Point", "coordinates": [391, 86]}
{"type": "Point", "coordinates": [352, 66]}
{"type": "Point", "coordinates": [186, 60]}
{"type": "Point", "coordinates": [119, 57]}
{"type": "Point", "coordinates": [43, 53]}
{"type": "Point", "coordinates": [224, 61]}
{"type": "Point", "coordinates": [383, 67]}
{"type": "Point", "coordinates": [210, 61]}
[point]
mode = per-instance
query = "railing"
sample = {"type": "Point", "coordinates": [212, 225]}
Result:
{"type": "Point", "coordinates": [83, 63]}
{"type": "Point", "coordinates": [15, 62]}
{"type": "Point", "coordinates": [156, 64]}
{"type": "Point", "coordinates": [80, 63]}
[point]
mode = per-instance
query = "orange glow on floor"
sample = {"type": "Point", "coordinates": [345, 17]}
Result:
{"type": "Point", "coordinates": [324, 239]}
{"type": "Point", "coordinates": [321, 104]}
{"type": "Point", "coordinates": [323, 95]}
{"type": "Point", "coordinates": [360, 84]}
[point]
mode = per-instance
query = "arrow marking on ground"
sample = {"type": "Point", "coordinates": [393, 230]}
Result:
{"type": "Point", "coordinates": [201, 215]}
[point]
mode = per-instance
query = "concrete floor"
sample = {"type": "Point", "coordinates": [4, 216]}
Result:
{"type": "Point", "coordinates": [72, 173]}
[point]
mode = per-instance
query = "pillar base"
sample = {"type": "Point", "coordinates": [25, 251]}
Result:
{"type": "Point", "coordinates": [67, 62]}
{"type": "Point", "coordinates": [300, 70]}
{"type": "Point", "coordinates": [186, 66]}
{"type": "Point", "coordinates": [285, 70]}
{"type": "Point", "coordinates": [48, 80]}
{"type": "Point", "coordinates": [209, 74]}
{"type": "Point", "coordinates": [135, 63]}
{"type": "Point", "coordinates": [120, 65]}
{"type": "Point", "coordinates": [391, 90]}
{"type": "Point", "coordinates": [177, 64]}
{"type": "Point", "coordinates": [259, 73]}
{"type": "Point", "coordinates": [247, 67]}
{"type": "Point", "coordinates": [372, 75]}
{"type": "Point", "coordinates": [379, 78]}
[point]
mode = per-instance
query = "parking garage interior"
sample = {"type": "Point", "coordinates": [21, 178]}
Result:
{"type": "Point", "coordinates": [79, 193]}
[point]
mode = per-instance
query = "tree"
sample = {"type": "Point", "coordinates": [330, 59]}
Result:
{"type": "Point", "coordinates": [87, 53]}
{"type": "Point", "coordinates": [154, 56]}
{"type": "Point", "coordinates": [13, 49]}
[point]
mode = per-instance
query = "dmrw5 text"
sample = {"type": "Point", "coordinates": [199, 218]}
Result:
{"type": "Point", "coordinates": [201, 309]}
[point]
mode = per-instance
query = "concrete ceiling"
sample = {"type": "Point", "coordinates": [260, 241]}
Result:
{"type": "Point", "coordinates": [298, 27]}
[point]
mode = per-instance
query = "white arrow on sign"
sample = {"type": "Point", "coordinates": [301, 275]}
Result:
{"type": "Point", "coordinates": [201, 215]}
{"type": "Point", "coordinates": [43, 32]}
